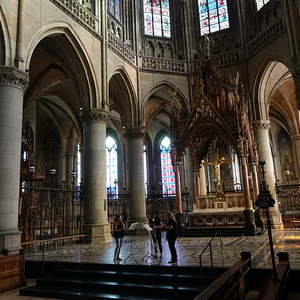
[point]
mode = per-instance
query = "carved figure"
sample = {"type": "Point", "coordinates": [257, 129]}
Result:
{"type": "Point", "coordinates": [206, 46]}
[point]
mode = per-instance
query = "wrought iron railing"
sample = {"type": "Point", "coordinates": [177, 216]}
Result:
{"type": "Point", "coordinates": [156, 204]}
{"type": "Point", "coordinates": [50, 212]}
{"type": "Point", "coordinates": [288, 196]}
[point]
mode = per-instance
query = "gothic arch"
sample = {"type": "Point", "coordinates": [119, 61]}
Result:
{"type": "Point", "coordinates": [158, 99]}
{"type": "Point", "coordinates": [275, 95]}
{"type": "Point", "coordinates": [122, 97]}
{"type": "Point", "coordinates": [5, 44]}
{"type": "Point", "coordinates": [89, 94]}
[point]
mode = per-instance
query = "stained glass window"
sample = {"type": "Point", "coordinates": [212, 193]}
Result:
{"type": "Point", "coordinates": [167, 172]}
{"type": "Point", "coordinates": [114, 7]}
{"type": "Point", "coordinates": [78, 166]}
{"type": "Point", "coordinates": [145, 170]}
{"type": "Point", "coordinates": [213, 15]}
{"type": "Point", "coordinates": [157, 18]}
{"type": "Point", "coordinates": [111, 165]}
{"type": "Point", "coordinates": [261, 3]}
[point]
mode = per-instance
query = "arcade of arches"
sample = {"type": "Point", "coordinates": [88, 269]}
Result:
{"type": "Point", "coordinates": [139, 107]}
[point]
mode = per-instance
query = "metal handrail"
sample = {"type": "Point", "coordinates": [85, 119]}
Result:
{"type": "Point", "coordinates": [218, 233]}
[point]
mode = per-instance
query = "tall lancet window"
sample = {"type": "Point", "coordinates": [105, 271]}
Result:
{"type": "Point", "coordinates": [167, 172]}
{"type": "Point", "coordinates": [213, 15]}
{"type": "Point", "coordinates": [261, 3]}
{"type": "Point", "coordinates": [111, 165]}
{"type": "Point", "coordinates": [114, 8]}
{"type": "Point", "coordinates": [78, 165]}
{"type": "Point", "coordinates": [145, 170]}
{"type": "Point", "coordinates": [157, 18]}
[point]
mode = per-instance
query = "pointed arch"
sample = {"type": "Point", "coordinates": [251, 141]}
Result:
{"type": "Point", "coordinates": [274, 94]}
{"type": "Point", "coordinates": [90, 97]}
{"type": "Point", "coordinates": [122, 97]}
{"type": "Point", "coordinates": [5, 41]}
{"type": "Point", "coordinates": [158, 99]}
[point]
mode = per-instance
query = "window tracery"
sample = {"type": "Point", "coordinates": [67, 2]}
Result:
{"type": "Point", "coordinates": [157, 18]}
{"type": "Point", "coordinates": [213, 15]}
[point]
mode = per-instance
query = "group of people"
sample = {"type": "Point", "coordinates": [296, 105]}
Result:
{"type": "Point", "coordinates": [157, 226]}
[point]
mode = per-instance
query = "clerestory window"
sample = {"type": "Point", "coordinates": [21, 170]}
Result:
{"type": "Point", "coordinates": [114, 8]}
{"type": "Point", "coordinates": [157, 18]}
{"type": "Point", "coordinates": [213, 15]}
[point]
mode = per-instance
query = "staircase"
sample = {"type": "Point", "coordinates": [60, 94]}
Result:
{"type": "Point", "coordinates": [103, 281]}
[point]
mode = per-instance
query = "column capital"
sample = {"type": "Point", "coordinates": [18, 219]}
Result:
{"type": "Point", "coordinates": [138, 133]}
{"type": "Point", "coordinates": [93, 115]}
{"type": "Point", "coordinates": [261, 124]}
{"type": "Point", "coordinates": [13, 77]}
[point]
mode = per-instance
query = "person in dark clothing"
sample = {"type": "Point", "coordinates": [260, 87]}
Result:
{"type": "Point", "coordinates": [118, 233]}
{"type": "Point", "coordinates": [171, 227]}
{"type": "Point", "coordinates": [156, 225]}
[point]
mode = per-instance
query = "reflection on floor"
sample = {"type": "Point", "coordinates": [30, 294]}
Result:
{"type": "Point", "coordinates": [188, 250]}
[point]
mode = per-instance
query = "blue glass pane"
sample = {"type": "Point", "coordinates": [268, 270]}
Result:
{"type": "Point", "coordinates": [157, 18]}
{"type": "Point", "coordinates": [213, 15]}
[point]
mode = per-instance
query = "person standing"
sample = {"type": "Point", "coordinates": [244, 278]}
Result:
{"type": "Point", "coordinates": [118, 233]}
{"type": "Point", "coordinates": [171, 227]}
{"type": "Point", "coordinates": [156, 224]}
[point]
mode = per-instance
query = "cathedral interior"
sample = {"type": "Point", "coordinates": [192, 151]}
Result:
{"type": "Point", "coordinates": [143, 109]}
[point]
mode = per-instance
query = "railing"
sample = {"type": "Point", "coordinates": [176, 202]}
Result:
{"type": "Point", "coordinates": [162, 64]}
{"type": "Point", "coordinates": [156, 204]}
{"type": "Point", "coordinates": [231, 284]}
{"type": "Point", "coordinates": [120, 48]}
{"type": "Point", "coordinates": [275, 287]}
{"type": "Point", "coordinates": [288, 196]}
{"type": "Point", "coordinates": [79, 13]}
{"type": "Point", "coordinates": [209, 245]}
{"type": "Point", "coordinates": [50, 212]}
{"type": "Point", "coordinates": [51, 242]}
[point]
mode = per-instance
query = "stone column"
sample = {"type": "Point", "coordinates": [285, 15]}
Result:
{"type": "Point", "coordinates": [197, 182]}
{"type": "Point", "coordinates": [296, 153]}
{"type": "Point", "coordinates": [12, 86]}
{"type": "Point", "coordinates": [203, 186]}
{"type": "Point", "coordinates": [261, 131]}
{"type": "Point", "coordinates": [94, 179]}
{"type": "Point", "coordinates": [136, 185]}
{"type": "Point", "coordinates": [248, 211]}
{"type": "Point", "coordinates": [178, 188]}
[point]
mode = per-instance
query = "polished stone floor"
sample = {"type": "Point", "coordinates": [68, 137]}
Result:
{"type": "Point", "coordinates": [188, 250]}
{"type": "Point", "coordinates": [139, 249]}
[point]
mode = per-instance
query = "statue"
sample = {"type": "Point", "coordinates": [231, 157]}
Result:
{"type": "Point", "coordinates": [217, 164]}
{"type": "Point", "coordinates": [206, 46]}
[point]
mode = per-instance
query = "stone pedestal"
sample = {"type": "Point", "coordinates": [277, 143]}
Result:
{"type": "Point", "coordinates": [12, 86]}
{"type": "Point", "coordinates": [261, 130]}
{"type": "Point", "coordinates": [94, 170]}
{"type": "Point", "coordinates": [136, 185]}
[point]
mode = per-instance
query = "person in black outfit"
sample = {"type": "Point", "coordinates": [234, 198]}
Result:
{"type": "Point", "coordinates": [155, 224]}
{"type": "Point", "coordinates": [171, 227]}
{"type": "Point", "coordinates": [118, 233]}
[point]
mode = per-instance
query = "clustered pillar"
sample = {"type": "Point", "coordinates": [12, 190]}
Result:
{"type": "Point", "coordinates": [12, 86]}
{"type": "Point", "coordinates": [96, 225]}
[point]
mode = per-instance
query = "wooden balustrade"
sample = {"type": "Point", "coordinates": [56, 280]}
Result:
{"type": "Point", "coordinates": [230, 285]}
